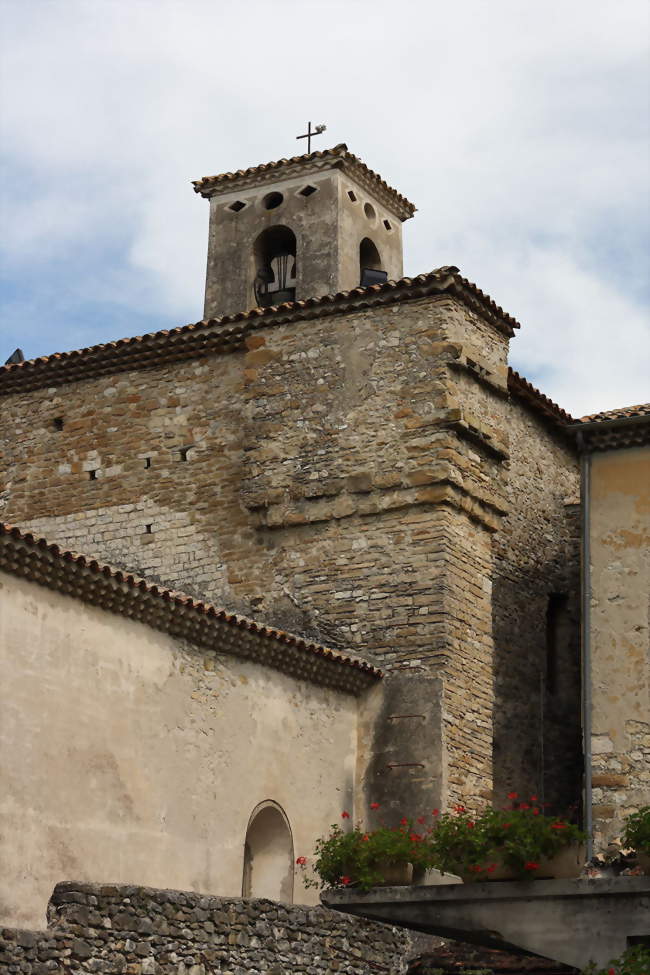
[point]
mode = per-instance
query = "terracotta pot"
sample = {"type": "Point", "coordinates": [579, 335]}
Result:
{"type": "Point", "coordinates": [643, 861]}
{"type": "Point", "coordinates": [395, 874]}
{"type": "Point", "coordinates": [566, 864]}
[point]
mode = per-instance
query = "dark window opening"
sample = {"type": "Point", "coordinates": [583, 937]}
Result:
{"type": "Point", "coordinates": [308, 190]}
{"type": "Point", "coordinates": [272, 200]}
{"type": "Point", "coordinates": [275, 266]}
{"type": "Point", "coordinates": [92, 475]}
{"type": "Point", "coordinates": [237, 206]}
{"type": "Point", "coordinates": [183, 452]}
{"type": "Point", "coordinates": [556, 624]}
{"type": "Point", "coordinates": [57, 423]}
{"type": "Point", "coordinates": [147, 462]}
{"type": "Point", "coordinates": [148, 529]}
{"type": "Point", "coordinates": [387, 225]}
{"type": "Point", "coordinates": [352, 196]}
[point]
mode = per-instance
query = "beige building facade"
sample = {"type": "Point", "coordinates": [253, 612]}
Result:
{"type": "Point", "coordinates": [144, 740]}
{"type": "Point", "coordinates": [616, 503]}
{"type": "Point", "coordinates": [354, 464]}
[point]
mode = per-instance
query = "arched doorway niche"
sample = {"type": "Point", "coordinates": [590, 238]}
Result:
{"type": "Point", "coordinates": [268, 854]}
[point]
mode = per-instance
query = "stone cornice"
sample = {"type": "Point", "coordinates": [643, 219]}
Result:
{"type": "Point", "coordinates": [178, 614]}
{"type": "Point", "coordinates": [337, 158]}
{"type": "Point", "coordinates": [228, 334]}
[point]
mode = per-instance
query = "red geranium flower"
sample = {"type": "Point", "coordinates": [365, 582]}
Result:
{"type": "Point", "coordinates": [513, 795]}
{"type": "Point", "coordinates": [611, 971]}
{"type": "Point", "coordinates": [301, 861]}
{"type": "Point", "coordinates": [533, 798]}
{"type": "Point", "coordinates": [469, 824]}
{"type": "Point", "coordinates": [403, 821]}
{"type": "Point", "coordinates": [345, 815]}
{"type": "Point", "coordinates": [531, 866]}
{"type": "Point", "coordinates": [492, 868]}
{"type": "Point", "coordinates": [506, 825]}
{"type": "Point", "coordinates": [535, 812]}
{"type": "Point", "coordinates": [435, 812]}
{"type": "Point", "coordinates": [374, 805]}
{"type": "Point", "coordinates": [345, 881]}
{"type": "Point", "coordinates": [421, 820]}
{"type": "Point", "coordinates": [366, 838]}
{"type": "Point", "coordinates": [558, 825]}
{"type": "Point", "coordinates": [415, 837]}
{"type": "Point", "coordinates": [459, 809]}
{"type": "Point", "coordinates": [524, 805]}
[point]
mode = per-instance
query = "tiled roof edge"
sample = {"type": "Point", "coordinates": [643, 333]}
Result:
{"type": "Point", "coordinates": [622, 413]}
{"type": "Point", "coordinates": [177, 613]}
{"type": "Point", "coordinates": [520, 387]}
{"type": "Point", "coordinates": [228, 332]}
{"type": "Point", "coordinates": [339, 155]}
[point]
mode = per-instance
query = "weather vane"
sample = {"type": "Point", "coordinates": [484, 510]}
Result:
{"type": "Point", "coordinates": [310, 133]}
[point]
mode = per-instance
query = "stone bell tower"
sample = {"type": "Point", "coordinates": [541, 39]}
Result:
{"type": "Point", "coordinates": [299, 228]}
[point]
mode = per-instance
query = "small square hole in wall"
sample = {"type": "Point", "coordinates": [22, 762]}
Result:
{"type": "Point", "coordinates": [307, 190]}
{"type": "Point", "coordinates": [92, 475]}
{"type": "Point", "coordinates": [387, 225]}
{"type": "Point", "coordinates": [352, 196]}
{"type": "Point", "coordinates": [148, 529]}
{"type": "Point", "coordinates": [237, 206]}
{"type": "Point", "coordinates": [57, 423]}
{"type": "Point", "coordinates": [183, 452]}
{"type": "Point", "coordinates": [147, 462]}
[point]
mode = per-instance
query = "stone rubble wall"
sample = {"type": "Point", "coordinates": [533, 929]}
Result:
{"type": "Point", "coordinates": [140, 931]}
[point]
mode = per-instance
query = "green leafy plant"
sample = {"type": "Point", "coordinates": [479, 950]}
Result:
{"type": "Point", "coordinates": [634, 961]}
{"type": "Point", "coordinates": [637, 830]}
{"type": "Point", "coordinates": [519, 837]}
{"type": "Point", "coordinates": [359, 857]}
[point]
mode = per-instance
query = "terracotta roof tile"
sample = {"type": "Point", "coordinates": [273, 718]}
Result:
{"type": "Point", "coordinates": [228, 332]}
{"type": "Point", "coordinates": [520, 387]}
{"type": "Point", "coordinates": [622, 413]}
{"type": "Point", "coordinates": [119, 591]}
{"type": "Point", "coordinates": [339, 157]}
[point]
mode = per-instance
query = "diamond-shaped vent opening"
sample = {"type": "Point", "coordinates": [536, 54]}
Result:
{"type": "Point", "coordinates": [308, 190]}
{"type": "Point", "coordinates": [237, 206]}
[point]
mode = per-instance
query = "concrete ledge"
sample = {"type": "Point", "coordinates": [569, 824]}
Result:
{"type": "Point", "coordinates": [571, 921]}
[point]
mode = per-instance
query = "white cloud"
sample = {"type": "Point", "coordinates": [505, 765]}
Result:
{"type": "Point", "coordinates": [516, 128]}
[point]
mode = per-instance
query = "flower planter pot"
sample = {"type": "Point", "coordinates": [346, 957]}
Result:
{"type": "Point", "coordinates": [566, 864]}
{"type": "Point", "coordinates": [396, 874]}
{"type": "Point", "coordinates": [643, 861]}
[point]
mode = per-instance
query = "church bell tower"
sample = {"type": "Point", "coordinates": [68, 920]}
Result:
{"type": "Point", "coordinates": [299, 228]}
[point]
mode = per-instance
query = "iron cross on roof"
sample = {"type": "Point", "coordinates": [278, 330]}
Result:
{"type": "Point", "coordinates": [309, 134]}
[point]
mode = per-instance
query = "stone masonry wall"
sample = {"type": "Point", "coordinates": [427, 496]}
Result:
{"type": "Point", "coordinates": [537, 556]}
{"type": "Point", "coordinates": [141, 931]}
{"type": "Point", "coordinates": [342, 476]}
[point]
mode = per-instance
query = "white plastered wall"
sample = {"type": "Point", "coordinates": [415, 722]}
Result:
{"type": "Point", "coordinates": [125, 757]}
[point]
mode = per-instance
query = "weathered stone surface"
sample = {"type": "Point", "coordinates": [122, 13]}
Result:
{"type": "Point", "coordinates": [247, 937]}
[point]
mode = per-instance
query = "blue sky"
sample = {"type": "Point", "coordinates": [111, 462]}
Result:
{"type": "Point", "coordinates": [518, 130]}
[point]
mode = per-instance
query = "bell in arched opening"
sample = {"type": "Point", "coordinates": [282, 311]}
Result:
{"type": "Point", "coordinates": [275, 264]}
{"type": "Point", "coordinates": [370, 265]}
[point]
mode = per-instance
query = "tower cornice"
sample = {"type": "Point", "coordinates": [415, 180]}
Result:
{"type": "Point", "coordinates": [337, 158]}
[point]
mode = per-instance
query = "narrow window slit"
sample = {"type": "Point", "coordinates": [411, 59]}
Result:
{"type": "Point", "coordinates": [57, 423]}
{"type": "Point", "coordinates": [92, 475]}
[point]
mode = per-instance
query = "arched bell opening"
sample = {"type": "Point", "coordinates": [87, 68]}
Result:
{"type": "Point", "coordinates": [268, 855]}
{"type": "Point", "coordinates": [274, 254]}
{"type": "Point", "coordinates": [370, 264]}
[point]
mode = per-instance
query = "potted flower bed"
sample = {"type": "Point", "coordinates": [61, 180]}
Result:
{"type": "Point", "coordinates": [362, 858]}
{"type": "Point", "coordinates": [637, 836]}
{"type": "Point", "coordinates": [516, 842]}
